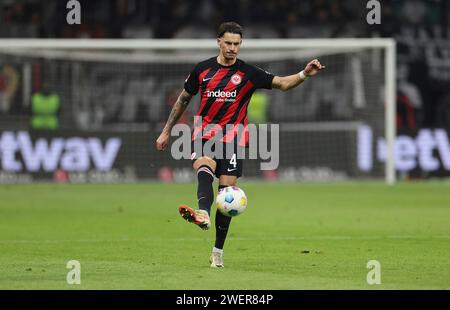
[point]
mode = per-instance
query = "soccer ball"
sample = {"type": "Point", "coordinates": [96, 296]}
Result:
{"type": "Point", "coordinates": [231, 201]}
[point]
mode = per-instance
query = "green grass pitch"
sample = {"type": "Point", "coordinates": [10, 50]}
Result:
{"type": "Point", "coordinates": [292, 236]}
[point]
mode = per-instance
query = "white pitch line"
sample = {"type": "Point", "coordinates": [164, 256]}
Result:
{"type": "Point", "coordinates": [281, 238]}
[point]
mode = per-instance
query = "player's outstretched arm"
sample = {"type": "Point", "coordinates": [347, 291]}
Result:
{"type": "Point", "coordinates": [179, 107]}
{"type": "Point", "coordinates": [287, 82]}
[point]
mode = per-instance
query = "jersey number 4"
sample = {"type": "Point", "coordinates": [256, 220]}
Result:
{"type": "Point", "coordinates": [233, 161]}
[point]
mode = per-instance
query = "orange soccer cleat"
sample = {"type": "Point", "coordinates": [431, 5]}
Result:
{"type": "Point", "coordinates": [198, 217]}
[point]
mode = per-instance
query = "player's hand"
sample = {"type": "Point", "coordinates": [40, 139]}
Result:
{"type": "Point", "coordinates": [313, 67]}
{"type": "Point", "coordinates": [162, 141]}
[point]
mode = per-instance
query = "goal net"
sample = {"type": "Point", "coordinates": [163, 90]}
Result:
{"type": "Point", "coordinates": [337, 126]}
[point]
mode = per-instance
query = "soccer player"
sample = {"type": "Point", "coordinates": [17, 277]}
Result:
{"type": "Point", "coordinates": [226, 84]}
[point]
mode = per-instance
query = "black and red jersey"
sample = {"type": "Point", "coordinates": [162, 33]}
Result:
{"type": "Point", "coordinates": [225, 93]}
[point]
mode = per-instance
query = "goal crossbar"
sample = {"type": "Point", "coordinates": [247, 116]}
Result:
{"type": "Point", "coordinates": [270, 45]}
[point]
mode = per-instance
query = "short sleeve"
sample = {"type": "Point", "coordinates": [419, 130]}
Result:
{"type": "Point", "coordinates": [262, 78]}
{"type": "Point", "coordinates": [191, 84]}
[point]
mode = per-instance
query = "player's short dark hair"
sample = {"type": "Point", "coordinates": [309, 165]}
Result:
{"type": "Point", "coordinates": [230, 27]}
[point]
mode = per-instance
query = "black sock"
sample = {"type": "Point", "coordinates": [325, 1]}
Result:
{"type": "Point", "coordinates": [222, 225]}
{"type": "Point", "coordinates": [205, 193]}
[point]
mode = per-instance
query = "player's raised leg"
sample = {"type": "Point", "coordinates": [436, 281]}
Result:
{"type": "Point", "coordinates": [205, 168]}
{"type": "Point", "coordinates": [222, 225]}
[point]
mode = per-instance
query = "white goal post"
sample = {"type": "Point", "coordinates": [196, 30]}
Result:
{"type": "Point", "coordinates": [142, 51]}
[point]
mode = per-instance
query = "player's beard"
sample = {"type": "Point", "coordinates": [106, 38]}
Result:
{"type": "Point", "coordinates": [230, 56]}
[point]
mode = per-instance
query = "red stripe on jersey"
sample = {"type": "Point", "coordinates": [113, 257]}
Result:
{"type": "Point", "coordinates": [244, 138]}
{"type": "Point", "coordinates": [215, 80]}
{"type": "Point", "coordinates": [197, 128]}
{"type": "Point", "coordinates": [233, 108]}
{"type": "Point", "coordinates": [203, 98]}
{"type": "Point", "coordinates": [200, 82]}
{"type": "Point", "coordinates": [212, 132]}
{"type": "Point", "coordinates": [202, 76]}
{"type": "Point", "coordinates": [242, 114]}
{"type": "Point", "coordinates": [218, 104]}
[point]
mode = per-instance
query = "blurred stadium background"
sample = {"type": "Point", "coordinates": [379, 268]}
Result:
{"type": "Point", "coordinates": [331, 128]}
{"type": "Point", "coordinates": [89, 111]}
